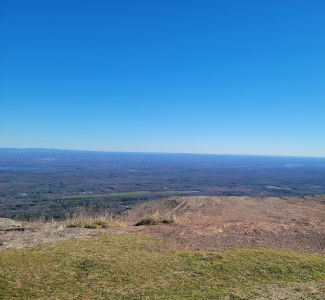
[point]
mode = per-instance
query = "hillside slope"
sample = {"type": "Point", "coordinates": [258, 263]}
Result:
{"type": "Point", "coordinates": [219, 248]}
{"type": "Point", "coordinates": [296, 223]}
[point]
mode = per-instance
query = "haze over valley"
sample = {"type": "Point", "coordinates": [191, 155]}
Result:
{"type": "Point", "coordinates": [51, 183]}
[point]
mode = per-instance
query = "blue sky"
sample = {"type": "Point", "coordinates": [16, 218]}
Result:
{"type": "Point", "coordinates": [236, 77]}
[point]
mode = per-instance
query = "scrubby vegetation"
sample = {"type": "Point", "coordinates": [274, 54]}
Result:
{"type": "Point", "coordinates": [93, 223]}
{"type": "Point", "coordinates": [137, 266]}
{"type": "Point", "coordinates": [155, 221]}
{"type": "Point", "coordinates": [88, 217]}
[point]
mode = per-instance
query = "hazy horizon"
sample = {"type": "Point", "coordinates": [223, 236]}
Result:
{"type": "Point", "coordinates": [146, 152]}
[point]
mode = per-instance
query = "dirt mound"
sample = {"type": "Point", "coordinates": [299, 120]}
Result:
{"type": "Point", "coordinates": [200, 209]}
{"type": "Point", "coordinates": [296, 223]}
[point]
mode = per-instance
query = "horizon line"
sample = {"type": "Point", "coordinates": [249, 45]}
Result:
{"type": "Point", "coordinates": [157, 152]}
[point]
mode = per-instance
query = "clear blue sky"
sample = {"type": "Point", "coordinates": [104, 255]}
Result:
{"type": "Point", "coordinates": [230, 76]}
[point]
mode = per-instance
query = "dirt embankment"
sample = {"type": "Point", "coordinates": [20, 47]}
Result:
{"type": "Point", "coordinates": [207, 223]}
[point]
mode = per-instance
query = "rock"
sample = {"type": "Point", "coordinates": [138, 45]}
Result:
{"type": "Point", "coordinates": [8, 225]}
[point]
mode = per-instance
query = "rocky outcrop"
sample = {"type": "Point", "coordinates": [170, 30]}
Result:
{"type": "Point", "coordinates": [10, 225]}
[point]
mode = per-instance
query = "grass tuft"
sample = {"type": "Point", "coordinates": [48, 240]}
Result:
{"type": "Point", "coordinates": [87, 217]}
{"type": "Point", "coordinates": [155, 221]}
{"type": "Point", "coordinates": [93, 223]}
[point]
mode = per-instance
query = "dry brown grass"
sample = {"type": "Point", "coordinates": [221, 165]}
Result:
{"type": "Point", "coordinates": [88, 217]}
{"type": "Point", "coordinates": [156, 217]}
{"type": "Point", "coordinates": [156, 221]}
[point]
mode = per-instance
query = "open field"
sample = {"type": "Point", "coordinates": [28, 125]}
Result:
{"type": "Point", "coordinates": [86, 196]}
{"type": "Point", "coordinates": [179, 192]}
{"type": "Point", "coordinates": [130, 193]}
{"type": "Point", "coordinates": [272, 187]}
{"type": "Point", "coordinates": [141, 266]}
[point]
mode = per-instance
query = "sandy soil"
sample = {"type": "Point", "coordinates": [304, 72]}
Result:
{"type": "Point", "coordinates": [208, 223]}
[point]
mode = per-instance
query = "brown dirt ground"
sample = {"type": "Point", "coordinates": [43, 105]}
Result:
{"type": "Point", "coordinates": [218, 223]}
{"type": "Point", "coordinates": [207, 223]}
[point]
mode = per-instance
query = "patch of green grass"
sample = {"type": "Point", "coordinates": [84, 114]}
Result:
{"type": "Point", "coordinates": [272, 187]}
{"type": "Point", "coordinates": [179, 192]}
{"type": "Point", "coordinates": [83, 196]}
{"type": "Point", "coordinates": [86, 196]}
{"type": "Point", "coordinates": [130, 193]}
{"type": "Point", "coordinates": [138, 266]}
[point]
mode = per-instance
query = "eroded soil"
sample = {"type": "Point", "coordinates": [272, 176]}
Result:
{"type": "Point", "coordinates": [207, 223]}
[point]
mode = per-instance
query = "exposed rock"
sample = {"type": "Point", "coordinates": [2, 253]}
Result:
{"type": "Point", "coordinates": [8, 225]}
{"type": "Point", "coordinates": [40, 233]}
